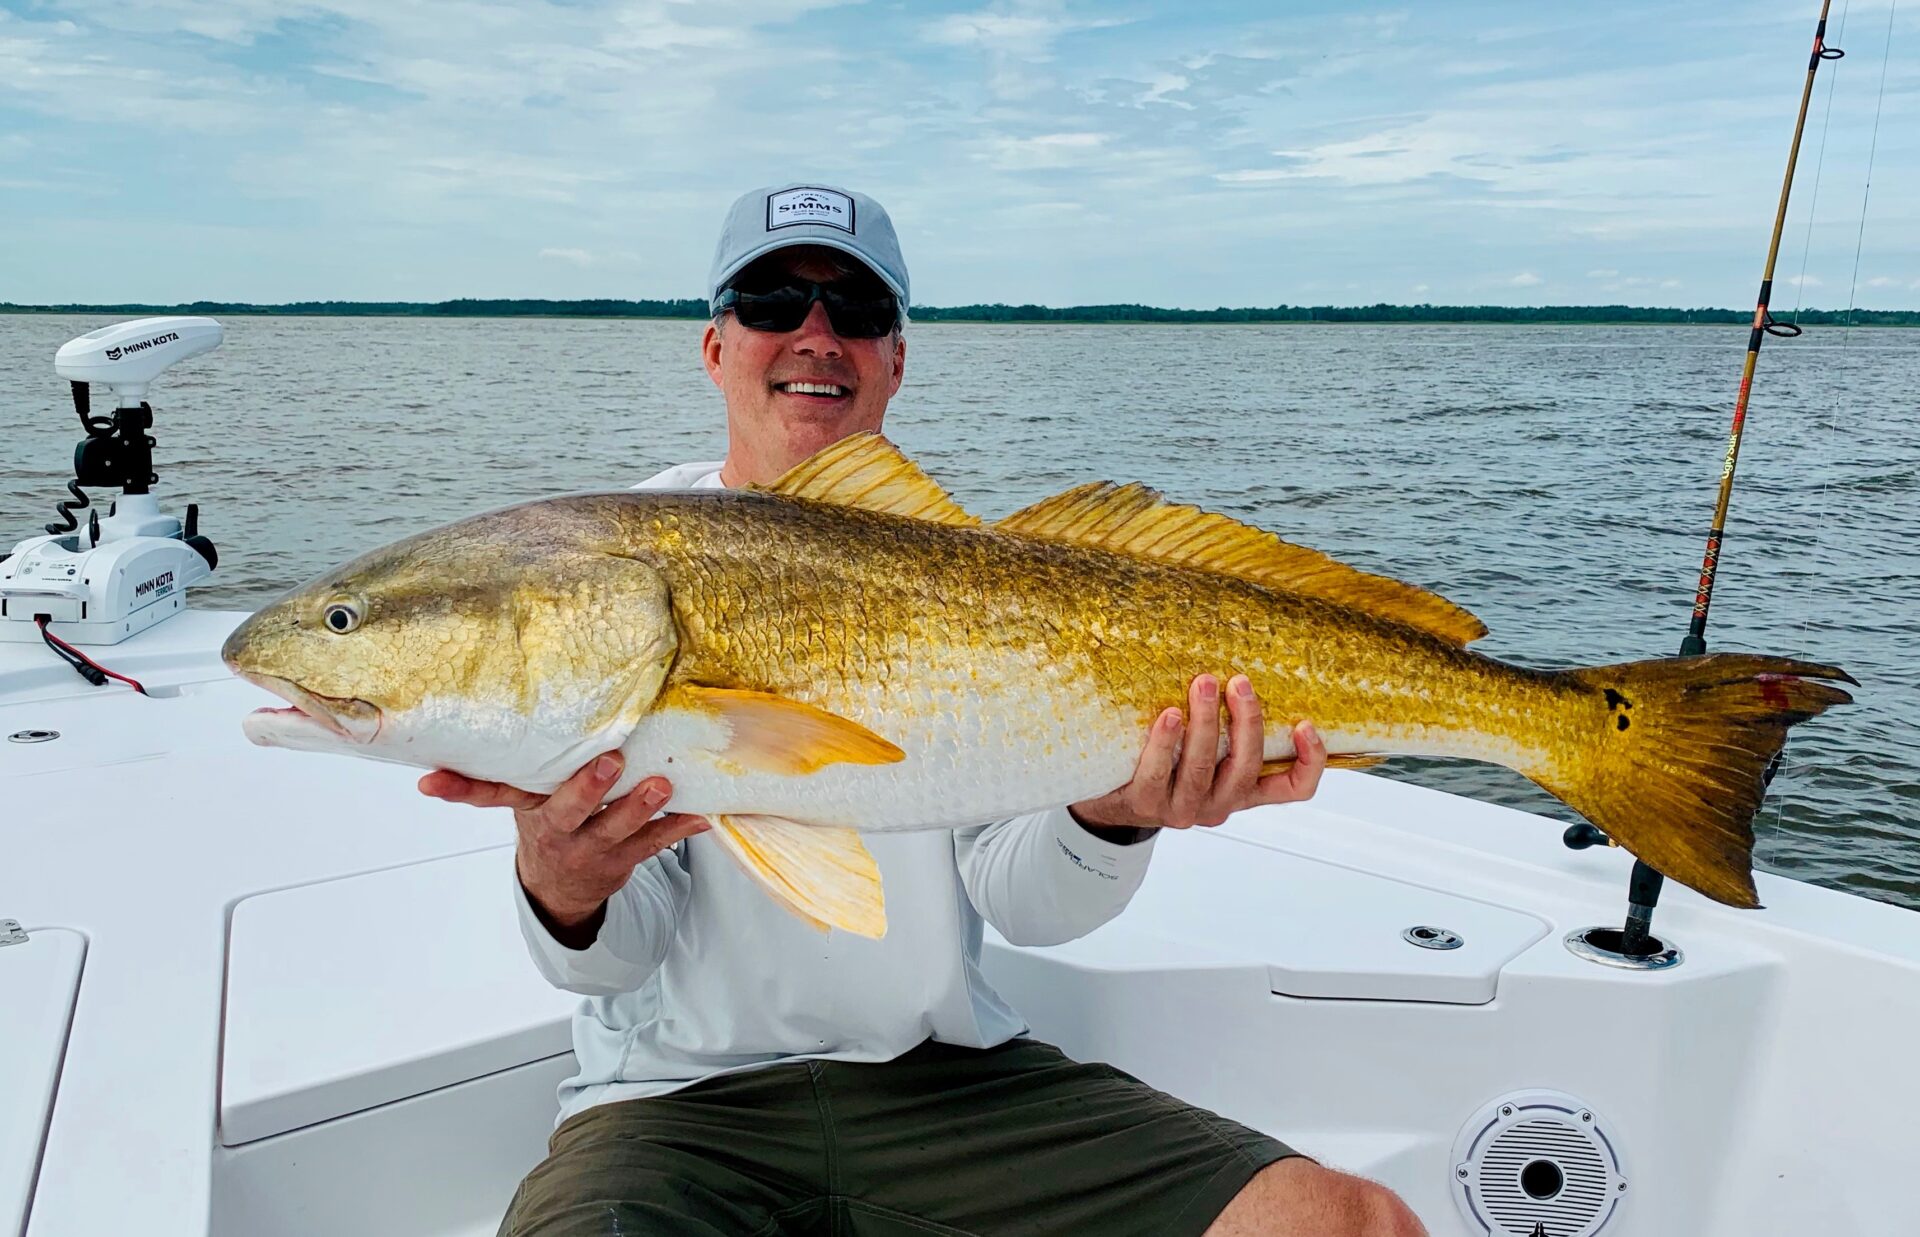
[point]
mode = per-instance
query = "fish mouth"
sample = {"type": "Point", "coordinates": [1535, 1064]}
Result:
{"type": "Point", "coordinates": [348, 718]}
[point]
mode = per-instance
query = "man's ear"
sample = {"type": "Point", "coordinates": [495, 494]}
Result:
{"type": "Point", "coordinates": [899, 362]}
{"type": "Point", "coordinates": [710, 345]}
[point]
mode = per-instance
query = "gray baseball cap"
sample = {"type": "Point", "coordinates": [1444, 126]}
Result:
{"type": "Point", "coordinates": [808, 214]}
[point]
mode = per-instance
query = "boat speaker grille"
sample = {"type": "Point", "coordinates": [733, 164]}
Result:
{"type": "Point", "coordinates": [1536, 1162]}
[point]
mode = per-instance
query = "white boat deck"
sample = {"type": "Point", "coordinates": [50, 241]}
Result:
{"type": "Point", "coordinates": [302, 1004]}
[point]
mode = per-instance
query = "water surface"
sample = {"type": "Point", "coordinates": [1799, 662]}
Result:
{"type": "Point", "coordinates": [1557, 481]}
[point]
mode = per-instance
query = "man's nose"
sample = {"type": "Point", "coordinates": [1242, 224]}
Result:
{"type": "Point", "coordinates": [816, 336]}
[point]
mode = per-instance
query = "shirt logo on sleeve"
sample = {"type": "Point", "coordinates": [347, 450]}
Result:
{"type": "Point", "coordinates": [1082, 864]}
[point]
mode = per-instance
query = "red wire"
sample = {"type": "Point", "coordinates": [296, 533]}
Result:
{"type": "Point", "coordinates": [82, 657]}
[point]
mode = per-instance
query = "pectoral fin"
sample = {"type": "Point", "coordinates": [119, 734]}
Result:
{"type": "Point", "coordinates": [772, 734]}
{"type": "Point", "coordinates": [825, 876]}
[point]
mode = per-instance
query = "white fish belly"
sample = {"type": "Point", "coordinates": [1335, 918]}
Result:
{"type": "Point", "coordinates": [971, 755]}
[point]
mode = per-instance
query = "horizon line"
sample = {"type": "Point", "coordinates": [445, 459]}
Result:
{"type": "Point", "coordinates": [690, 308]}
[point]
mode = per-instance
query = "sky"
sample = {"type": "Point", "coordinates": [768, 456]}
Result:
{"type": "Point", "coordinates": [1188, 154]}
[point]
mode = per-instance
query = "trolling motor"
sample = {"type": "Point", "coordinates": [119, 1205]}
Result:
{"type": "Point", "coordinates": [116, 576]}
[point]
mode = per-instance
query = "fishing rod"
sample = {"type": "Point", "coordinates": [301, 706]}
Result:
{"type": "Point", "coordinates": [1643, 889]}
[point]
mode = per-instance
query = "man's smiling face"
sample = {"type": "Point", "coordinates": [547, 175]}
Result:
{"type": "Point", "coordinates": [791, 393]}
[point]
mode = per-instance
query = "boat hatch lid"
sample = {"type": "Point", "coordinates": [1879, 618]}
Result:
{"type": "Point", "coordinates": [39, 978]}
{"type": "Point", "coordinates": [347, 994]}
{"type": "Point", "coordinates": [1321, 930]}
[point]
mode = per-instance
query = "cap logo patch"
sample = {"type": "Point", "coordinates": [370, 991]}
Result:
{"type": "Point", "coordinates": [809, 205]}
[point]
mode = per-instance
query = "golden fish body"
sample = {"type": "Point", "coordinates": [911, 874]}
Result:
{"type": "Point", "coordinates": [851, 651]}
{"type": "Point", "coordinates": [1013, 673]}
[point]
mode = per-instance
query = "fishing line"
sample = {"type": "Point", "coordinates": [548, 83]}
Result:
{"type": "Point", "coordinates": [1866, 192]}
{"type": "Point", "coordinates": [1783, 763]}
{"type": "Point", "coordinates": [1831, 433]}
{"type": "Point", "coordinates": [1819, 166]}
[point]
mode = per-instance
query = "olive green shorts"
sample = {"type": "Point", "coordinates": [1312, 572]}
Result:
{"type": "Point", "coordinates": [1013, 1141]}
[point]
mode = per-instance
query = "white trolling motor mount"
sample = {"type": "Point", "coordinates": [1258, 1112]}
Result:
{"type": "Point", "coordinates": [119, 575]}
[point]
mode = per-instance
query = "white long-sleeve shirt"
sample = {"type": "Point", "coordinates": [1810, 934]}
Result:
{"type": "Point", "coordinates": [697, 972]}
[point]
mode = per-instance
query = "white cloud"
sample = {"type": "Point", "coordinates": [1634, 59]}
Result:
{"type": "Point", "coordinates": [1162, 85]}
{"type": "Point", "coordinates": [1026, 30]}
{"type": "Point", "coordinates": [578, 257]}
{"type": "Point", "coordinates": [598, 109]}
{"type": "Point", "coordinates": [1605, 272]}
{"type": "Point", "coordinates": [1048, 150]}
{"type": "Point", "coordinates": [1381, 25]}
{"type": "Point", "coordinates": [1804, 281]}
{"type": "Point", "coordinates": [59, 76]}
{"type": "Point", "coordinates": [1015, 36]}
{"type": "Point", "coordinates": [1390, 156]}
{"type": "Point", "coordinates": [1511, 152]}
{"type": "Point", "coordinates": [1526, 279]}
{"type": "Point", "coordinates": [408, 169]}
{"type": "Point", "coordinates": [1474, 68]}
{"type": "Point", "coordinates": [1252, 176]}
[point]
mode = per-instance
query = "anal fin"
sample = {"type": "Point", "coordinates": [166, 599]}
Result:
{"type": "Point", "coordinates": [825, 876]}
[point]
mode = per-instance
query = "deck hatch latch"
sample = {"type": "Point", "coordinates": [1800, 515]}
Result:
{"type": "Point", "coordinates": [11, 933]}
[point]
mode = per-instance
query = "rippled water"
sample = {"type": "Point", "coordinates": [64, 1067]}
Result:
{"type": "Point", "coordinates": [1556, 481]}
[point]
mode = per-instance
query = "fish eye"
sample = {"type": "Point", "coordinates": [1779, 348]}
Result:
{"type": "Point", "coordinates": [341, 617]}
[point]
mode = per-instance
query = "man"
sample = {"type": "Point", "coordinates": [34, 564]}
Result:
{"type": "Point", "coordinates": [741, 1074]}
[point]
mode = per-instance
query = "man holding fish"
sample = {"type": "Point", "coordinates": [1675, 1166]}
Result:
{"type": "Point", "coordinates": [742, 1073]}
{"type": "Point", "coordinates": [834, 672]}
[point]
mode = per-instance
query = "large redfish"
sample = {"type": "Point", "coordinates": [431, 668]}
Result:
{"type": "Point", "coordinates": [849, 650]}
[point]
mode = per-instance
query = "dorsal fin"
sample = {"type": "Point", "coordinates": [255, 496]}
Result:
{"type": "Point", "coordinates": [1135, 520]}
{"type": "Point", "coordinates": [865, 470]}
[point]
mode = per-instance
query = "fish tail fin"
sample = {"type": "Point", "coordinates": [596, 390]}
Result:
{"type": "Point", "coordinates": [1677, 759]}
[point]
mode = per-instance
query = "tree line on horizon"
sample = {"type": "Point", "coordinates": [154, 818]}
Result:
{"type": "Point", "coordinates": [688, 307]}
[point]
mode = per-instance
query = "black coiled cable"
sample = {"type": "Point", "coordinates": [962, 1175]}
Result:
{"type": "Point", "coordinates": [66, 507]}
{"type": "Point", "coordinates": [96, 427]}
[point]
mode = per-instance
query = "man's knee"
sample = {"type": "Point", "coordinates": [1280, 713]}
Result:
{"type": "Point", "coordinates": [1299, 1197]}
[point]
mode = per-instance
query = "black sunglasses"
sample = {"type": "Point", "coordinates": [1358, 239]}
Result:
{"type": "Point", "coordinates": [855, 315]}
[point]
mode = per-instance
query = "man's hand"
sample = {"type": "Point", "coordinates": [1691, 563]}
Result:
{"type": "Point", "coordinates": [1204, 790]}
{"type": "Point", "coordinates": [573, 855]}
